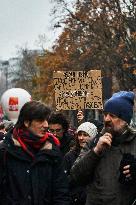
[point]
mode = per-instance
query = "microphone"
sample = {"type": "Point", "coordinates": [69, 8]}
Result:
{"type": "Point", "coordinates": [102, 146]}
{"type": "Point", "coordinates": [107, 129]}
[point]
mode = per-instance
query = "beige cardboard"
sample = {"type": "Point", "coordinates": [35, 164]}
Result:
{"type": "Point", "coordinates": [78, 90]}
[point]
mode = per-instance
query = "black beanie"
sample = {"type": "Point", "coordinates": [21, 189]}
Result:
{"type": "Point", "coordinates": [121, 105]}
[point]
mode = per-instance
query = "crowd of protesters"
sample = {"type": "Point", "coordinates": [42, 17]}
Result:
{"type": "Point", "coordinates": [45, 162]}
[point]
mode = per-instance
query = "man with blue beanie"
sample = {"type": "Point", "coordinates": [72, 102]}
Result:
{"type": "Point", "coordinates": [108, 168]}
{"type": "Point", "coordinates": [121, 105]}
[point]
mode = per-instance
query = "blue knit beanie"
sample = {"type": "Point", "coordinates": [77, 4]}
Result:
{"type": "Point", "coordinates": [121, 105]}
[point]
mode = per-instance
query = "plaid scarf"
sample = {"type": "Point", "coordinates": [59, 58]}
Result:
{"type": "Point", "coordinates": [29, 140]}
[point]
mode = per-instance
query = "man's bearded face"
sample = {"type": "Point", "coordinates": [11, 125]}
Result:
{"type": "Point", "coordinates": [113, 124]}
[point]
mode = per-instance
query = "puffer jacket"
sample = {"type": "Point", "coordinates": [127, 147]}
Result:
{"type": "Point", "coordinates": [24, 181]}
{"type": "Point", "coordinates": [101, 173]}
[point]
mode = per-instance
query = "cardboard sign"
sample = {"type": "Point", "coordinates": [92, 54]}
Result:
{"type": "Point", "coordinates": [78, 90]}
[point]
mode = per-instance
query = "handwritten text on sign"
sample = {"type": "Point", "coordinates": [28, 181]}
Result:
{"type": "Point", "coordinates": [78, 90]}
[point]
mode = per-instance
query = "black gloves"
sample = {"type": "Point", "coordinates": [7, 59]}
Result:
{"type": "Point", "coordinates": [128, 159]}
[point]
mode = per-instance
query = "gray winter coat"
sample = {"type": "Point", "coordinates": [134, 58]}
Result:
{"type": "Point", "coordinates": [101, 173]}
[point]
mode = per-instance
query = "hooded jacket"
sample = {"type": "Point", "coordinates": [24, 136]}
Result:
{"type": "Point", "coordinates": [24, 181]}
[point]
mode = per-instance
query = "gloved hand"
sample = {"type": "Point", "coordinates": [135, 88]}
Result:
{"type": "Point", "coordinates": [128, 159]}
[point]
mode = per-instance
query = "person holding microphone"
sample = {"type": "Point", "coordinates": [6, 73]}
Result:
{"type": "Point", "coordinates": [108, 165]}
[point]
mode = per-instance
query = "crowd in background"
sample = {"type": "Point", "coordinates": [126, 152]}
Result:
{"type": "Point", "coordinates": [45, 161]}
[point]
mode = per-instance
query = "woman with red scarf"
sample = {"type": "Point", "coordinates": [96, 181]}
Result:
{"type": "Point", "coordinates": [31, 168]}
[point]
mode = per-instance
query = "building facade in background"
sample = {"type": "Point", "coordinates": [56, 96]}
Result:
{"type": "Point", "coordinates": [8, 73]}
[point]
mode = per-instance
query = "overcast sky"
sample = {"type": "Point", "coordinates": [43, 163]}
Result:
{"type": "Point", "coordinates": [21, 22]}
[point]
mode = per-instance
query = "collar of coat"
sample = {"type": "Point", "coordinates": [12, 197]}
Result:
{"type": "Point", "coordinates": [47, 145]}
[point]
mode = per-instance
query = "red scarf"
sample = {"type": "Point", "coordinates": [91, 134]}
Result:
{"type": "Point", "coordinates": [27, 138]}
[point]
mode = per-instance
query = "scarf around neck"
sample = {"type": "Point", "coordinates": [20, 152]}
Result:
{"type": "Point", "coordinates": [30, 141]}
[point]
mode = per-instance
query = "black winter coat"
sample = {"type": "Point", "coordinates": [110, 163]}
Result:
{"type": "Point", "coordinates": [65, 142]}
{"type": "Point", "coordinates": [77, 193]}
{"type": "Point", "coordinates": [1, 136]}
{"type": "Point", "coordinates": [24, 181]}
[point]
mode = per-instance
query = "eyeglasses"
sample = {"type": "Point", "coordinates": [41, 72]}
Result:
{"type": "Point", "coordinates": [56, 130]}
{"type": "Point", "coordinates": [46, 129]}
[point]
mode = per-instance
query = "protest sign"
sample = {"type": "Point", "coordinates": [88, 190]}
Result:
{"type": "Point", "coordinates": [78, 90]}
